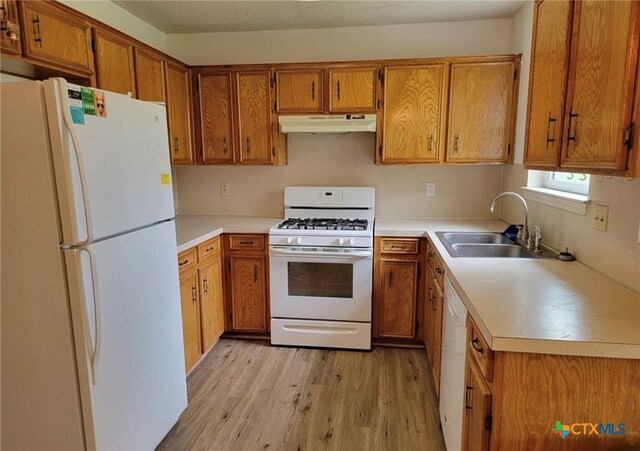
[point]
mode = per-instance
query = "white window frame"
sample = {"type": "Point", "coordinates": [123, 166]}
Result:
{"type": "Point", "coordinates": [559, 185]}
{"type": "Point", "coordinates": [556, 194]}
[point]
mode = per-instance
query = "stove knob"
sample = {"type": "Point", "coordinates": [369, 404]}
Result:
{"type": "Point", "coordinates": [340, 241]}
{"type": "Point", "coordinates": [352, 242]}
{"type": "Point", "coordinates": [298, 240]}
{"type": "Point", "coordinates": [289, 240]}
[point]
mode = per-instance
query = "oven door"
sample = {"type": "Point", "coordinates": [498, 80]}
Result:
{"type": "Point", "coordinates": [321, 283]}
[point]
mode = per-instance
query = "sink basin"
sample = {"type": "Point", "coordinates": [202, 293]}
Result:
{"type": "Point", "coordinates": [475, 237]}
{"type": "Point", "coordinates": [489, 251]}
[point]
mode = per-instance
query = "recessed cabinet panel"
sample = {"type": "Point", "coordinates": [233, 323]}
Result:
{"type": "Point", "coordinates": [248, 293]}
{"type": "Point", "coordinates": [114, 62]}
{"type": "Point", "coordinates": [149, 70]}
{"type": "Point", "coordinates": [215, 115]}
{"type": "Point", "coordinates": [254, 117]}
{"type": "Point", "coordinates": [352, 90]}
{"type": "Point", "coordinates": [549, 66]}
{"type": "Point", "coordinates": [299, 91]}
{"type": "Point", "coordinates": [178, 111]}
{"type": "Point", "coordinates": [190, 319]}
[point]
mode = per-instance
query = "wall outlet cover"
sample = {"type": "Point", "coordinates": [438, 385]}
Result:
{"type": "Point", "coordinates": [600, 217]}
{"type": "Point", "coordinates": [224, 188]}
{"type": "Point", "coordinates": [431, 189]}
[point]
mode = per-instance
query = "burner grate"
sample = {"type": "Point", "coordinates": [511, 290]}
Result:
{"type": "Point", "coordinates": [324, 224]}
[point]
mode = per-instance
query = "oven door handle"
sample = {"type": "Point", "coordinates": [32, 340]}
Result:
{"type": "Point", "coordinates": [354, 254]}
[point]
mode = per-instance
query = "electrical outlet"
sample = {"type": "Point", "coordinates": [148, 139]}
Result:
{"type": "Point", "coordinates": [431, 189]}
{"type": "Point", "coordinates": [224, 188]}
{"type": "Point", "coordinates": [600, 217]}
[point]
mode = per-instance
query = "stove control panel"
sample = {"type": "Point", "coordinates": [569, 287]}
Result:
{"type": "Point", "coordinates": [315, 240]}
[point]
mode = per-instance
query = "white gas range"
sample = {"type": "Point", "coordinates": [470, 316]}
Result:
{"type": "Point", "coordinates": [321, 263]}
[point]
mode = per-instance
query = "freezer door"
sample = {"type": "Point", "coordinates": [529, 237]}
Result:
{"type": "Point", "coordinates": [112, 171]}
{"type": "Point", "coordinates": [126, 307]}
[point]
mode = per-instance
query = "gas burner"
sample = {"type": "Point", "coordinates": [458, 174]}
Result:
{"type": "Point", "coordinates": [324, 224]}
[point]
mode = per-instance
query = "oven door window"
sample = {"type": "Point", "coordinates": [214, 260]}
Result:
{"type": "Point", "coordinates": [325, 280]}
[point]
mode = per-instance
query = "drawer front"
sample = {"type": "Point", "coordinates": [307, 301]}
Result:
{"type": "Point", "coordinates": [243, 242]}
{"type": "Point", "coordinates": [209, 248]}
{"type": "Point", "coordinates": [479, 350]}
{"type": "Point", "coordinates": [400, 245]}
{"type": "Point", "coordinates": [187, 259]}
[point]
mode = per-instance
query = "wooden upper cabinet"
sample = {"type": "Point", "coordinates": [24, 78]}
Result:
{"type": "Point", "coordinates": [602, 78]}
{"type": "Point", "coordinates": [254, 117]}
{"type": "Point", "coordinates": [299, 91]}
{"type": "Point", "coordinates": [179, 113]}
{"type": "Point", "coordinates": [10, 32]}
{"type": "Point", "coordinates": [54, 35]}
{"type": "Point", "coordinates": [477, 413]}
{"type": "Point", "coordinates": [114, 62]}
{"type": "Point", "coordinates": [413, 114]}
{"type": "Point", "coordinates": [190, 318]}
{"type": "Point", "coordinates": [215, 117]}
{"type": "Point", "coordinates": [548, 79]}
{"type": "Point", "coordinates": [353, 90]}
{"type": "Point", "coordinates": [149, 73]}
{"type": "Point", "coordinates": [480, 111]}
{"type": "Point", "coordinates": [249, 309]}
{"type": "Point", "coordinates": [211, 302]}
{"type": "Point", "coordinates": [398, 292]}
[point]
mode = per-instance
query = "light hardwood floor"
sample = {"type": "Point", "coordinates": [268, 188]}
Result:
{"type": "Point", "coordinates": [247, 395]}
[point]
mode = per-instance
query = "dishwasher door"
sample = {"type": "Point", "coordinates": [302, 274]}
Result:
{"type": "Point", "coordinates": [454, 341]}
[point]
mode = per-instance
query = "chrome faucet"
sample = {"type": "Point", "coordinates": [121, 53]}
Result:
{"type": "Point", "coordinates": [523, 234]}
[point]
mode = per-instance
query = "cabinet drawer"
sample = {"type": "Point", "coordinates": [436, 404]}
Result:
{"type": "Point", "coordinates": [434, 262]}
{"type": "Point", "coordinates": [240, 242]}
{"type": "Point", "coordinates": [187, 259]}
{"type": "Point", "coordinates": [209, 248]}
{"type": "Point", "coordinates": [399, 245]}
{"type": "Point", "coordinates": [479, 349]}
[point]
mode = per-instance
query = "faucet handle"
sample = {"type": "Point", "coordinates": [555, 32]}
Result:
{"type": "Point", "coordinates": [537, 233]}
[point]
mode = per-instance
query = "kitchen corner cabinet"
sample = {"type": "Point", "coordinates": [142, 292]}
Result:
{"type": "Point", "coordinates": [353, 89]}
{"type": "Point", "coordinates": [396, 288]}
{"type": "Point", "coordinates": [178, 91]}
{"type": "Point", "coordinates": [201, 298]}
{"type": "Point", "coordinates": [481, 112]}
{"type": "Point", "coordinates": [433, 312]}
{"type": "Point", "coordinates": [114, 62]}
{"type": "Point", "coordinates": [52, 34]}
{"type": "Point", "coordinates": [149, 73]}
{"type": "Point", "coordinates": [247, 283]}
{"type": "Point", "coordinates": [299, 91]}
{"type": "Point", "coordinates": [590, 70]}
{"type": "Point", "coordinates": [414, 114]}
{"type": "Point", "coordinates": [10, 27]}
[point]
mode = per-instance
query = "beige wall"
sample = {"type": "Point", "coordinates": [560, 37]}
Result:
{"type": "Point", "coordinates": [480, 37]}
{"type": "Point", "coordinates": [120, 19]}
{"type": "Point", "coordinates": [343, 160]}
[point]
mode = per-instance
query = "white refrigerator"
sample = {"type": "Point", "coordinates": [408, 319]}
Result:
{"type": "Point", "coordinates": [91, 330]}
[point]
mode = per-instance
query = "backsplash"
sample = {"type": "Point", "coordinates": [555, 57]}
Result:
{"type": "Point", "coordinates": [339, 160]}
{"type": "Point", "coordinates": [615, 252]}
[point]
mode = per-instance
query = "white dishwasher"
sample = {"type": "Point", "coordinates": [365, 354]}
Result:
{"type": "Point", "coordinates": [454, 346]}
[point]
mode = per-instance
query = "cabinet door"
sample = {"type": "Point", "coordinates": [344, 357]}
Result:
{"type": "Point", "coordinates": [248, 294]}
{"type": "Point", "coordinates": [413, 114]}
{"type": "Point", "coordinates": [602, 76]}
{"type": "Point", "coordinates": [254, 117]}
{"type": "Point", "coordinates": [10, 33]}
{"type": "Point", "coordinates": [149, 71]}
{"type": "Point", "coordinates": [179, 113]}
{"type": "Point", "coordinates": [54, 35]}
{"type": "Point", "coordinates": [299, 91]}
{"type": "Point", "coordinates": [352, 90]}
{"type": "Point", "coordinates": [114, 62]}
{"type": "Point", "coordinates": [211, 303]}
{"type": "Point", "coordinates": [480, 112]}
{"type": "Point", "coordinates": [190, 319]}
{"type": "Point", "coordinates": [436, 305]}
{"type": "Point", "coordinates": [398, 292]}
{"type": "Point", "coordinates": [477, 418]}
{"type": "Point", "coordinates": [549, 68]}
{"type": "Point", "coordinates": [215, 117]}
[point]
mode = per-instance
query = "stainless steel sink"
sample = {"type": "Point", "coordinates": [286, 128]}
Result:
{"type": "Point", "coordinates": [475, 237]}
{"type": "Point", "coordinates": [490, 251]}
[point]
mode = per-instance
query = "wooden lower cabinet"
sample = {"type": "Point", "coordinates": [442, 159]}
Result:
{"type": "Point", "coordinates": [396, 289]}
{"type": "Point", "coordinates": [477, 405]}
{"type": "Point", "coordinates": [247, 283]}
{"type": "Point", "coordinates": [433, 325]}
{"type": "Point", "coordinates": [202, 299]}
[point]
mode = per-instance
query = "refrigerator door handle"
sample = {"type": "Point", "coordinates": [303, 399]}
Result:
{"type": "Point", "coordinates": [66, 115]}
{"type": "Point", "coordinates": [95, 354]}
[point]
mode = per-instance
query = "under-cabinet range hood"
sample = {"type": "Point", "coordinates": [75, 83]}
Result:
{"type": "Point", "coordinates": [344, 123]}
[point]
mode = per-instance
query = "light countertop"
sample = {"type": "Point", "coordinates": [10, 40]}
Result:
{"type": "Point", "coordinates": [192, 230]}
{"type": "Point", "coordinates": [534, 305]}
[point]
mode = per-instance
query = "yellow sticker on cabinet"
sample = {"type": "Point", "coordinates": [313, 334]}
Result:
{"type": "Point", "coordinates": [165, 179]}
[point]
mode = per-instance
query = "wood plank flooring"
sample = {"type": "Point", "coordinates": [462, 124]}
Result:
{"type": "Point", "coordinates": [247, 395]}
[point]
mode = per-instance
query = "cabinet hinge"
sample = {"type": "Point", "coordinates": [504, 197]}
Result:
{"type": "Point", "coordinates": [272, 81]}
{"type": "Point", "coordinates": [378, 103]}
{"type": "Point", "coordinates": [515, 74]}
{"type": "Point", "coordinates": [229, 265]}
{"type": "Point", "coordinates": [488, 421]}
{"type": "Point", "coordinates": [202, 153]}
{"type": "Point", "coordinates": [419, 271]}
{"type": "Point", "coordinates": [93, 45]}
{"type": "Point", "coordinates": [509, 149]}
{"type": "Point", "coordinates": [275, 105]}
{"type": "Point", "coordinates": [382, 78]}
{"type": "Point", "coordinates": [380, 150]}
{"type": "Point", "coordinates": [273, 151]}
{"type": "Point", "coordinates": [417, 329]}
{"type": "Point", "coordinates": [628, 136]}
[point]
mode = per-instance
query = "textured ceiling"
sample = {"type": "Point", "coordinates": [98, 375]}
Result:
{"type": "Point", "coordinates": [188, 16]}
